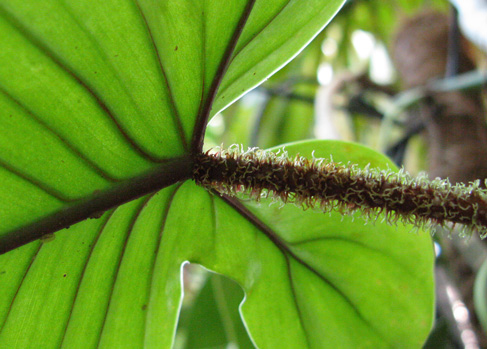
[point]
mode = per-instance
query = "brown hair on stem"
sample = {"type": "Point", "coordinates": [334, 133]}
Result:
{"type": "Point", "coordinates": [347, 188]}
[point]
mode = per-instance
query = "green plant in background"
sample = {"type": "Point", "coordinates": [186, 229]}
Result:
{"type": "Point", "coordinates": [104, 103]}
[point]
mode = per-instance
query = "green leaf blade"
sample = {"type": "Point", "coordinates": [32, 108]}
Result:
{"type": "Point", "coordinates": [47, 290]}
{"type": "Point", "coordinates": [119, 71]}
{"type": "Point", "coordinates": [273, 37]}
{"type": "Point", "coordinates": [133, 102]}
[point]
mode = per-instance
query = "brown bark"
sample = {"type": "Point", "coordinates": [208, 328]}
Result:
{"type": "Point", "coordinates": [455, 126]}
{"type": "Point", "coordinates": [454, 121]}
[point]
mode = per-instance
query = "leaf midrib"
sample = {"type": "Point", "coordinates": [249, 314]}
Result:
{"type": "Point", "coordinates": [171, 171]}
{"type": "Point", "coordinates": [205, 110]}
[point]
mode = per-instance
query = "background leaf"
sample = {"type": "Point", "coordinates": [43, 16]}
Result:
{"type": "Point", "coordinates": [480, 295]}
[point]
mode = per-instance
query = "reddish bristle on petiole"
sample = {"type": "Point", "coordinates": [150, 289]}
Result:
{"type": "Point", "coordinates": [327, 185]}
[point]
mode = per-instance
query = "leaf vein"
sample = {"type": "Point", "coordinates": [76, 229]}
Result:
{"type": "Point", "coordinates": [94, 242]}
{"type": "Point", "coordinates": [20, 286]}
{"type": "Point", "coordinates": [202, 118]}
{"type": "Point", "coordinates": [282, 246]}
{"type": "Point", "coordinates": [295, 299]}
{"type": "Point", "coordinates": [172, 102]}
{"type": "Point", "coordinates": [99, 101]}
{"type": "Point", "coordinates": [156, 253]}
{"type": "Point", "coordinates": [237, 77]}
{"type": "Point", "coordinates": [116, 274]}
{"type": "Point", "coordinates": [358, 243]}
{"type": "Point", "coordinates": [92, 165]}
{"type": "Point", "coordinates": [106, 59]}
{"type": "Point", "coordinates": [260, 30]}
{"type": "Point", "coordinates": [38, 184]}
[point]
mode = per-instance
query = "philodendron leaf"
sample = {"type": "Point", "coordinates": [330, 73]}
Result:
{"type": "Point", "coordinates": [311, 279]}
{"type": "Point", "coordinates": [104, 101]}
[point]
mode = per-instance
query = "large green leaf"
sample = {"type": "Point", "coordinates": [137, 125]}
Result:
{"type": "Point", "coordinates": [311, 279]}
{"type": "Point", "coordinates": [104, 101]}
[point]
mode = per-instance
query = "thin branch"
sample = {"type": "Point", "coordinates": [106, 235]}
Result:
{"type": "Point", "coordinates": [466, 81]}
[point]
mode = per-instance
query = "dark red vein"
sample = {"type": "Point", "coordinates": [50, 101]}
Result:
{"type": "Point", "coordinates": [97, 169]}
{"type": "Point", "coordinates": [170, 172]}
{"type": "Point", "coordinates": [236, 53]}
{"type": "Point", "coordinates": [20, 285]}
{"type": "Point", "coordinates": [52, 55]}
{"type": "Point", "coordinates": [203, 63]}
{"type": "Point", "coordinates": [88, 257]}
{"type": "Point", "coordinates": [295, 299]}
{"type": "Point", "coordinates": [150, 280]}
{"type": "Point", "coordinates": [107, 60]}
{"type": "Point", "coordinates": [252, 39]}
{"type": "Point", "coordinates": [281, 245]}
{"type": "Point", "coordinates": [174, 110]}
{"type": "Point", "coordinates": [117, 271]}
{"type": "Point", "coordinates": [356, 243]}
{"type": "Point", "coordinates": [38, 184]}
{"type": "Point", "coordinates": [202, 118]}
{"type": "Point", "coordinates": [237, 77]}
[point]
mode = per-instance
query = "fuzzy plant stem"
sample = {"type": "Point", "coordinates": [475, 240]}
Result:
{"type": "Point", "coordinates": [347, 188]}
